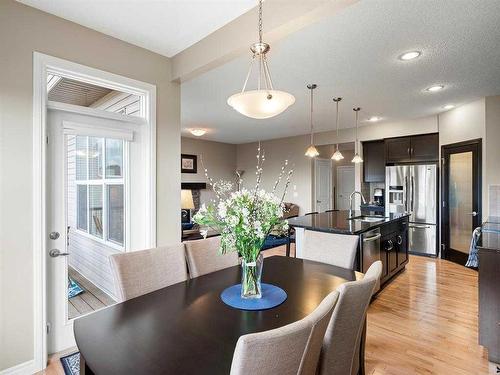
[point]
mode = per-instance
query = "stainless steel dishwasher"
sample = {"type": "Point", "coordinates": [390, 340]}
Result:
{"type": "Point", "coordinates": [370, 248]}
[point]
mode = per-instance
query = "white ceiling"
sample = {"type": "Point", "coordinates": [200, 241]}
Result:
{"type": "Point", "coordinates": [354, 54]}
{"type": "Point", "coordinates": [163, 26]}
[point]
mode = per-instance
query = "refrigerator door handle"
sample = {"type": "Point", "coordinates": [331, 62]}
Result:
{"type": "Point", "coordinates": [406, 193]}
{"type": "Point", "coordinates": [412, 192]}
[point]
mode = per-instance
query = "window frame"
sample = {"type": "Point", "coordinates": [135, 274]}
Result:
{"type": "Point", "coordinates": [105, 182]}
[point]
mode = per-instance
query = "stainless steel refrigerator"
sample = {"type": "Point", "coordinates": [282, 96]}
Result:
{"type": "Point", "coordinates": [413, 189]}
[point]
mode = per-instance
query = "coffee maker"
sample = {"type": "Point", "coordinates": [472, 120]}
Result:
{"type": "Point", "coordinates": [378, 196]}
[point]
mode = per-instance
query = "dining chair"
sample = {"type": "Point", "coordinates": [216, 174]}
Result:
{"type": "Point", "coordinates": [203, 256]}
{"type": "Point", "coordinates": [340, 354]}
{"type": "Point", "coordinates": [139, 272]}
{"type": "Point", "coordinates": [291, 349]}
{"type": "Point", "coordinates": [335, 249]}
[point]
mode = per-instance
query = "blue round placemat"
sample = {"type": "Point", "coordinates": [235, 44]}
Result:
{"type": "Point", "coordinates": [272, 296]}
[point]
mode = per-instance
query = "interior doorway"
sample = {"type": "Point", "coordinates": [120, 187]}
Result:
{"type": "Point", "coordinates": [323, 189]}
{"type": "Point", "coordinates": [461, 198]}
{"type": "Point", "coordinates": [95, 187]}
{"type": "Point", "coordinates": [345, 186]}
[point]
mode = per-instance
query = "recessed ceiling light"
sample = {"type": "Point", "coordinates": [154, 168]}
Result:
{"type": "Point", "coordinates": [448, 106]}
{"type": "Point", "coordinates": [410, 55]}
{"type": "Point", "coordinates": [197, 132]}
{"type": "Point", "coordinates": [435, 88]}
{"type": "Point", "coordinates": [374, 119]}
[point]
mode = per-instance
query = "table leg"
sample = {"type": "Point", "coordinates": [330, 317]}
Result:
{"type": "Point", "coordinates": [84, 369]}
{"type": "Point", "coordinates": [288, 242]}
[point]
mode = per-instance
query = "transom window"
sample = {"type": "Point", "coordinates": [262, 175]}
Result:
{"type": "Point", "coordinates": [100, 188]}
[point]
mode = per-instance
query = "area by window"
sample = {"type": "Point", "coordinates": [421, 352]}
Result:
{"type": "Point", "coordinates": [100, 188]}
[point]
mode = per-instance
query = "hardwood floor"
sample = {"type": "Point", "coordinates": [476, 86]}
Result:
{"type": "Point", "coordinates": [424, 322]}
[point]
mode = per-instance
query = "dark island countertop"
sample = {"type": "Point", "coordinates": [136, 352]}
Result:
{"type": "Point", "coordinates": [490, 234]}
{"type": "Point", "coordinates": [339, 222]}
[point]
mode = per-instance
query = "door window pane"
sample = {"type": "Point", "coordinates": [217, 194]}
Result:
{"type": "Point", "coordinates": [460, 201]}
{"type": "Point", "coordinates": [95, 210]}
{"type": "Point", "coordinates": [82, 207]}
{"type": "Point", "coordinates": [95, 158]}
{"type": "Point", "coordinates": [81, 158]}
{"type": "Point", "coordinates": [114, 158]}
{"type": "Point", "coordinates": [115, 213]}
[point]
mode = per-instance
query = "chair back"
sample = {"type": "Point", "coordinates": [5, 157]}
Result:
{"type": "Point", "coordinates": [335, 249]}
{"type": "Point", "coordinates": [203, 256]}
{"type": "Point", "coordinates": [340, 351]}
{"type": "Point", "coordinates": [290, 350]}
{"type": "Point", "coordinates": [139, 272]}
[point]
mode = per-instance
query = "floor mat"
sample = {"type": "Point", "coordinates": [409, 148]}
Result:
{"type": "Point", "coordinates": [73, 288]}
{"type": "Point", "coordinates": [71, 364]}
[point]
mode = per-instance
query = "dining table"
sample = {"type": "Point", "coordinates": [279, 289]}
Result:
{"type": "Point", "coordinates": [186, 328]}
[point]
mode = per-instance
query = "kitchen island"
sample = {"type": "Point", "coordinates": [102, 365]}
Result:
{"type": "Point", "coordinates": [382, 238]}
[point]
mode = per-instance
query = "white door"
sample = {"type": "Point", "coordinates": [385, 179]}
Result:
{"type": "Point", "coordinates": [323, 184]}
{"type": "Point", "coordinates": [91, 206]}
{"type": "Point", "coordinates": [345, 186]}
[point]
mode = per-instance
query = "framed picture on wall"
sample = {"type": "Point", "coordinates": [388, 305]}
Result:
{"type": "Point", "coordinates": [189, 163]}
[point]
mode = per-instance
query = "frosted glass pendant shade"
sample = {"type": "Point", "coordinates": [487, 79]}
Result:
{"type": "Point", "coordinates": [312, 152]}
{"type": "Point", "coordinates": [357, 159]}
{"type": "Point", "coordinates": [337, 155]}
{"type": "Point", "coordinates": [261, 104]}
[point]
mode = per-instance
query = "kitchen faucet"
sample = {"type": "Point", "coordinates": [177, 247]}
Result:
{"type": "Point", "coordinates": [350, 200]}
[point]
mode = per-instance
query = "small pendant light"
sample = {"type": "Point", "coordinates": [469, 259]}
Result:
{"type": "Point", "coordinates": [356, 159]}
{"type": "Point", "coordinates": [337, 154]}
{"type": "Point", "coordinates": [311, 151]}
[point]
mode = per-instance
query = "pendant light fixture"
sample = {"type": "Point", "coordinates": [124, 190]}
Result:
{"type": "Point", "coordinates": [311, 151]}
{"type": "Point", "coordinates": [356, 159]}
{"type": "Point", "coordinates": [337, 155]}
{"type": "Point", "coordinates": [264, 102]}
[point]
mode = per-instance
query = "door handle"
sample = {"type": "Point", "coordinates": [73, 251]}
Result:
{"type": "Point", "coordinates": [54, 253]}
{"type": "Point", "coordinates": [420, 226]}
{"type": "Point", "coordinates": [374, 238]}
{"type": "Point", "coordinates": [473, 213]}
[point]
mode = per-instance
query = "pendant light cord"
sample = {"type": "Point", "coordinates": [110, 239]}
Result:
{"type": "Point", "coordinates": [260, 21]}
{"type": "Point", "coordinates": [356, 110]}
{"type": "Point", "coordinates": [311, 115]}
{"type": "Point", "coordinates": [337, 100]}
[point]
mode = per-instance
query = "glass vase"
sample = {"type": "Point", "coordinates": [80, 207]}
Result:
{"type": "Point", "coordinates": [251, 272]}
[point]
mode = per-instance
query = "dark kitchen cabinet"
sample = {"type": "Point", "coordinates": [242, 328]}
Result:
{"type": "Point", "coordinates": [374, 161]}
{"type": "Point", "coordinates": [398, 150]}
{"type": "Point", "coordinates": [425, 147]}
{"type": "Point", "coordinates": [412, 149]}
{"type": "Point", "coordinates": [393, 249]}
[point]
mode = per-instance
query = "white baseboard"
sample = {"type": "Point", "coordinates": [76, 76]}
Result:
{"type": "Point", "coordinates": [26, 368]}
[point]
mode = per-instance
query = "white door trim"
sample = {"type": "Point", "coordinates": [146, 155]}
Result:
{"type": "Point", "coordinates": [42, 64]}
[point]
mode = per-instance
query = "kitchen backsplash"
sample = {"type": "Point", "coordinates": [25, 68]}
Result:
{"type": "Point", "coordinates": [494, 199]}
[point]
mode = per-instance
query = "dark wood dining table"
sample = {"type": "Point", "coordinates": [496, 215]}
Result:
{"type": "Point", "coordinates": [186, 328]}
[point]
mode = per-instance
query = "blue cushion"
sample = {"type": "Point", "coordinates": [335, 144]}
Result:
{"type": "Point", "coordinates": [187, 226]}
{"type": "Point", "coordinates": [275, 241]}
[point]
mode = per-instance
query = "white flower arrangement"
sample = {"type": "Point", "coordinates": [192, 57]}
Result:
{"type": "Point", "coordinates": [245, 217]}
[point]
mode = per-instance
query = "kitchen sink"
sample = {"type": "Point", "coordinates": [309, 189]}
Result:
{"type": "Point", "coordinates": [368, 219]}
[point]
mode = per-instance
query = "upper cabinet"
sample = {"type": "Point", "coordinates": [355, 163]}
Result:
{"type": "Point", "coordinates": [412, 149]}
{"type": "Point", "coordinates": [398, 150]}
{"type": "Point", "coordinates": [374, 161]}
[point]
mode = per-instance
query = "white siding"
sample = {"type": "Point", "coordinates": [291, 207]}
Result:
{"type": "Point", "coordinates": [88, 257]}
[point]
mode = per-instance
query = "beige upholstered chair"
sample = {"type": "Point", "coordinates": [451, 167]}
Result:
{"type": "Point", "coordinates": [340, 351]}
{"type": "Point", "coordinates": [335, 249]}
{"type": "Point", "coordinates": [292, 349]}
{"type": "Point", "coordinates": [140, 272]}
{"type": "Point", "coordinates": [203, 256]}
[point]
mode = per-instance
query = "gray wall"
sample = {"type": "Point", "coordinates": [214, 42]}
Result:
{"type": "Point", "coordinates": [24, 30]}
{"type": "Point", "coordinates": [219, 158]}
